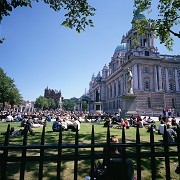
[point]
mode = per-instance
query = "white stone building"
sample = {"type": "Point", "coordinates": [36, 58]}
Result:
{"type": "Point", "coordinates": [138, 80]}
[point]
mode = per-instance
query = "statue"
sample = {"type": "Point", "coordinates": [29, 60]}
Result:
{"type": "Point", "coordinates": [129, 81]}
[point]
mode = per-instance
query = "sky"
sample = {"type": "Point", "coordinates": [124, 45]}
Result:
{"type": "Point", "coordinates": [38, 52]}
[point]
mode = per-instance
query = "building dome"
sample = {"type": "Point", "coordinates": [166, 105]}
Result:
{"type": "Point", "coordinates": [105, 67]}
{"type": "Point", "coordinates": [120, 47]}
{"type": "Point", "coordinates": [84, 97]}
{"type": "Point", "coordinates": [138, 16]}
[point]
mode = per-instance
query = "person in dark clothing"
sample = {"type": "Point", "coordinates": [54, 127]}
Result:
{"type": "Point", "coordinates": [56, 125]}
{"type": "Point", "coordinates": [171, 134]}
{"type": "Point", "coordinates": [117, 168]}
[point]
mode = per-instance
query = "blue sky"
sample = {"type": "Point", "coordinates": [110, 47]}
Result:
{"type": "Point", "coordinates": [39, 52]}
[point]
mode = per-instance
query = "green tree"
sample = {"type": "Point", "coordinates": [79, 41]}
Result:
{"type": "Point", "coordinates": [68, 105]}
{"type": "Point", "coordinates": [84, 105]}
{"type": "Point", "coordinates": [164, 26]}
{"type": "Point", "coordinates": [8, 90]}
{"type": "Point", "coordinates": [44, 103]}
{"type": "Point", "coordinates": [41, 102]}
{"type": "Point", "coordinates": [51, 104]}
{"type": "Point", "coordinates": [77, 13]}
{"type": "Point", "coordinates": [14, 97]}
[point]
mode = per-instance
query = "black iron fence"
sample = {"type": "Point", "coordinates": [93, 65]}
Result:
{"type": "Point", "coordinates": [167, 151]}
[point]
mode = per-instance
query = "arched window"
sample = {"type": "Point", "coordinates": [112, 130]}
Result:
{"type": "Point", "coordinates": [149, 102]}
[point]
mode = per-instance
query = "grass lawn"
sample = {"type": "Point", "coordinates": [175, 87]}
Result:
{"type": "Point", "coordinates": [83, 165]}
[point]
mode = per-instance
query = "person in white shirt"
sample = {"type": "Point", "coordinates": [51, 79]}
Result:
{"type": "Point", "coordinates": [76, 122]}
{"type": "Point", "coordinates": [64, 124]}
{"type": "Point", "coordinates": [9, 118]}
{"type": "Point", "coordinates": [161, 128]}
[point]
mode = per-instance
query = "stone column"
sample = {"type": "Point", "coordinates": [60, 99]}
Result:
{"type": "Point", "coordinates": [155, 78]}
{"type": "Point", "coordinates": [167, 80]}
{"type": "Point", "coordinates": [107, 92]}
{"type": "Point", "coordinates": [123, 83]}
{"type": "Point", "coordinates": [113, 88]}
{"type": "Point", "coordinates": [160, 78]}
{"type": "Point", "coordinates": [109, 87]}
{"type": "Point", "coordinates": [147, 40]}
{"type": "Point", "coordinates": [135, 77]}
{"type": "Point", "coordinates": [140, 78]}
{"type": "Point", "coordinates": [176, 81]}
{"type": "Point", "coordinates": [117, 83]}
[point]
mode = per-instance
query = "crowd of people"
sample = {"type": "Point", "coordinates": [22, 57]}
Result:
{"type": "Point", "coordinates": [68, 120]}
{"type": "Point", "coordinates": [71, 120]}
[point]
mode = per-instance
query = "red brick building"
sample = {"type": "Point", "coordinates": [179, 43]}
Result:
{"type": "Point", "coordinates": [54, 94]}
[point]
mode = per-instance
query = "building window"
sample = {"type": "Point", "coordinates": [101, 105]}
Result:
{"type": "Point", "coordinates": [149, 102]}
{"type": "Point", "coordinates": [170, 71]}
{"type": "Point", "coordinates": [97, 95]}
{"type": "Point", "coordinates": [110, 91]}
{"type": "Point", "coordinates": [110, 105]}
{"type": "Point", "coordinates": [146, 53]}
{"type": "Point", "coordinates": [117, 104]}
{"type": "Point", "coordinates": [178, 73]}
{"type": "Point", "coordinates": [98, 107]}
{"type": "Point", "coordinates": [119, 88]}
{"type": "Point", "coordinates": [173, 103]}
{"type": "Point", "coordinates": [130, 43]}
{"type": "Point", "coordinates": [172, 85]}
{"type": "Point", "coordinates": [114, 105]}
{"type": "Point", "coordinates": [145, 69]}
{"type": "Point", "coordinates": [144, 42]}
{"type": "Point", "coordinates": [146, 86]}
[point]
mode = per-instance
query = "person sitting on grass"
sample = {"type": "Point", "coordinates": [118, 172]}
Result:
{"type": "Point", "coordinates": [161, 127]}
{"type": "Point", "coordinates": [149, 120]}
{"type": "Point", "coordinates": [56, 125]}
{"type": "Point", "coordinates": [171, 134]}
{"type": "Point", "coordinates": [14, 132]}
{"type": "Point", "coordinates": [107, 121]}
{"type": "Point", "coordinates": [117, 169]}
{"type": "Point", "coordinates": [132, 120]}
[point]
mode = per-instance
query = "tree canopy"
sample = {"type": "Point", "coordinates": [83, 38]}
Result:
{"type": "Point", "coordinates": [44, 103]}
{"type": "Point", "coordinates": [77, 13]}
{"type": "Point", "coordinates": [8, 91]}
{"type": "Point", "coordinates": [164, 26]}
{"type": "Point", "coordinates": [69, 105]}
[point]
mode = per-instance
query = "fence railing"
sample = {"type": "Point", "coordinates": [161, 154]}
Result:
{"type": "Point", "coordinates": [137, 154]}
